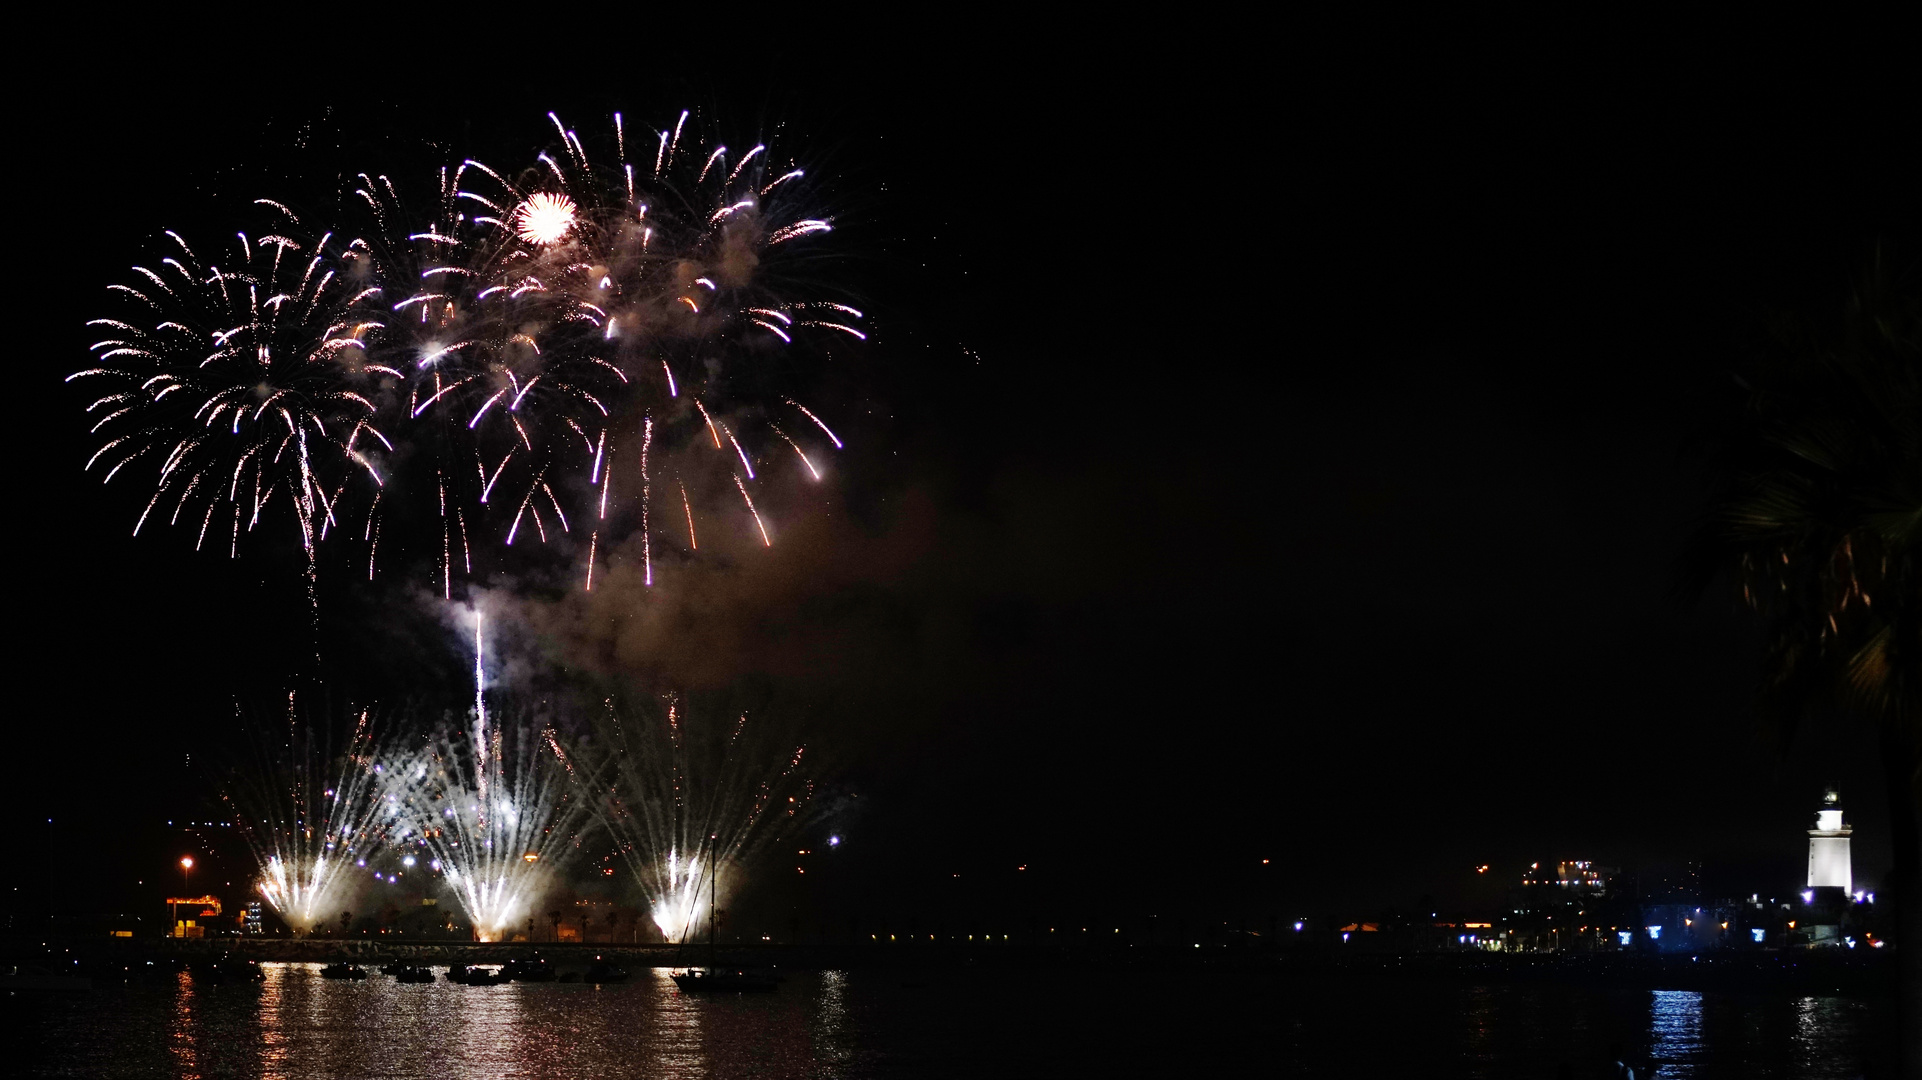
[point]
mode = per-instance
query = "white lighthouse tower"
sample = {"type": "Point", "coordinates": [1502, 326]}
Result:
{"type": "Point", "coordinates": [1829, 847]}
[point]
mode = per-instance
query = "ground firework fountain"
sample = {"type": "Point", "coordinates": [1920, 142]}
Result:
{"type": "Point", "coordinates": [690, 801]}
{"type": "Point", "coordinates": [309, 810]}
{"type": "Point", "coordinates": [491, 806]}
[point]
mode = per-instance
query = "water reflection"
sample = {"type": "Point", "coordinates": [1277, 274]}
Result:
{"type": "Point", "coordinates": [948, 1023]}
{"type": "Point", "coordinates": [1480, 1014]}
{"type": "Point", "coordinates": [831, 1021]}
{"type": "Point", "coordinates": [273, 1046]}
{"type": "Point", "coordinates": [1675, 1031]}
{"type": "Point", "coordinates": [182, 1034]}
{"type": "Point", "coordinates": [675, 1041]}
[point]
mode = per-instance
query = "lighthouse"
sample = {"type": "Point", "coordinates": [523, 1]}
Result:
{"type": "Point", "coordinates": [1829, 847]}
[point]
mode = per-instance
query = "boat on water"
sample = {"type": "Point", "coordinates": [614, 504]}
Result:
{"type": "Point", "coordinates": [408, 973]}
{"type": "Point", "coordinates": [724, 981]}
{"type": "Point", "coordinates": [37, 981]}
{"type": "Point", "coordinates": [715, 979]}
{"type": "Point", "coordinates": [475, 976]}
{"type": "Point", "coordinates": [343, 971]}
{"type": "Point", "coordinates": [536, 969]}
{"type": "Point", "coordinates": [602, 971]}
{"type": "Point", "coordinates": [220, 971]}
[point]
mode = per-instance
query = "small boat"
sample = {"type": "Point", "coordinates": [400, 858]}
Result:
{"type": "Point", "coordinates": [220, 971]}
{"type": "Point", "coordinates": [30, 980]}
{"type": "Point", "coordinates": [343, 971]}
{"type": "Point", "coordinates": [600, 971]}
{"type": "Point", "coordinates": [716, 979]}
{"type": "Point", "coordinates": [723, 981]}
{"type": "Point", "coordinates": [394, 967]}
{"type": "Point", "coordinates": [475, 976]}
{"type": "Point", "coordinates": [411, 974]}
{"type": "Point", "coordinates": [534, 970]}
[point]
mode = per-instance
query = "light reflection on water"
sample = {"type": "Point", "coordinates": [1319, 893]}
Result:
{"type": "Point", "coordinates": [182, 1030]}
{"type": "Point", "coordinates": [946, 1023]}
{"type": "Point", "coordinates": [1675, 1032]}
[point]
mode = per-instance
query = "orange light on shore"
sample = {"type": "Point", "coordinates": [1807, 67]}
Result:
{"type": "Point", "coordinates": [186, 862]}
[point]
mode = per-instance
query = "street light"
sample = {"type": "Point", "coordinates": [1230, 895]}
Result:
{"type": "Point", "coordinates": [186, 865]}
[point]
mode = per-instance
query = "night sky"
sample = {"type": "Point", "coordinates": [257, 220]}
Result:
{"type": "Point", "coordinates": [1261, 461]}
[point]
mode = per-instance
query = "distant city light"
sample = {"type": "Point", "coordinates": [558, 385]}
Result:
{"type": "Point", "coordinates": [407, 861]}
{"type": "Point", "coordinates": [1654, 933]}
{"type": "Point", "coordinates": [1297, 927]}
{"type": "Point", "coordinates": [1627, 937]}
{"type": "Point", "coordinates": [1758, 933]}
{"type": "Point", "coordinates": [1808, 896]}
{"type": "Point", "coordinates": [834, 841]}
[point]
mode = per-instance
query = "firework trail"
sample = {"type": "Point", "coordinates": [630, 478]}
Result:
{"type": "Point", "coordinates": [687, 799]}
{"type": "Point", "coordinates": [309, 812]}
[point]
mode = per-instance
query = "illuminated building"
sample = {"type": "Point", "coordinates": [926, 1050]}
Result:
{"type": "Point", "coordinates": [1829, 847]}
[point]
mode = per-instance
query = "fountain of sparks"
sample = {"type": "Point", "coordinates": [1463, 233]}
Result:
{"type": "Point", "coordinates": [691, 804]}
{"type": "Point", "coordinates": [308, 814]}
{"type": "Point", "coordinates": [492, 807]}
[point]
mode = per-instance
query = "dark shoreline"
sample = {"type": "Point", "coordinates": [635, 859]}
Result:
{"type": "Point", "coordinates": [1800, 972]}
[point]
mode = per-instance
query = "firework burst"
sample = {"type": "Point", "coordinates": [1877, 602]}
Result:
{"type": "Point", "coordinates": [509, 358]}
{"type": "Point", "coordinates": [227, 378]}
{"type": "Point", "coordinates": [659, 300]}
